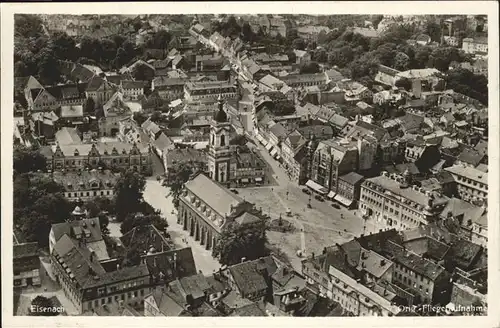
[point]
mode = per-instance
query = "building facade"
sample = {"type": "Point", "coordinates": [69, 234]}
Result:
{"type": "Point", "coordinates": [394, 201]}
{"type": "Point", "coordinates": [209, 91]}
{"type": "Point", "coordinates": [472, 184]}
{"type": "Point", "coordinates": [26, 265]}
{"type": "Point", "coordinates": [114, 154]}
{"type": "Point", "coordinates": [205, 207]}
{"type": "Point", "coordinates": [86, 185]}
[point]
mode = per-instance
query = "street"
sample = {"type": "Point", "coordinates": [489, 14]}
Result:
{"type": "Point", "coordinates": [154, 194]}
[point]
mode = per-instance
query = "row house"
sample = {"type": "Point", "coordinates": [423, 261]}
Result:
{"type": "Point", "coordinates": [304, 80]}
{"type": "Point", "coordinates": [51, 98]}
{"type": "Point", "coordinates": [472, 184]}
{"type": "Point", "coordinates": [210, 90]}
{"type": "Point", "coordinates": [118, 155]}
{"type": "Point", "coordinates": [169, 88]}
{"type": "Point", "coordinates": [86, 185]}
{"type": "Point", "coordinates": [331, 160]}
{"type": "Point", "coordinates": [392, 199]}
{"type": "Point", "coordinates": [26, 265]}
{"type": "Point", "coordinates": [132, 89]}
{"type": "Point", "coordinates": [475, 46]}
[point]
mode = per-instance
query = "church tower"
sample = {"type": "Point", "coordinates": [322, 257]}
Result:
{"type": "Point", "coordinates": [219, 153]}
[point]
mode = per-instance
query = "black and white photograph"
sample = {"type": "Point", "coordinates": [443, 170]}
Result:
{"type": "Point", "coordinates": [169, 164]}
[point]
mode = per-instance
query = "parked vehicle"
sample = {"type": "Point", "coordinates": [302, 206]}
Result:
{"type": "Point", "coordinates": [319, 198]}
{"type": "Point", "coordinates": [234, 191]}
{"type": "Point", "coordinates": [306, 191]}
{"type": "Point", "coordinates": [335, 205]}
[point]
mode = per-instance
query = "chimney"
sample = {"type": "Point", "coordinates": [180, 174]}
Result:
{"type": "Point", "coordinates": [243, 259]}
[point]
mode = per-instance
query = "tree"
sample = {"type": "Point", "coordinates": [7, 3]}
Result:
{"type": "Point", "coordinates": [310, 68]}
{"type": "Point", "coordinates": [341, 56]}
{"type": "Point", "coordinates": [156, 116]}
{"type": "Point", "coordinates": [376, 20]}
{"type": "Point", "coordinates": [109, 50]}
{"type": "Point", "coordinates": [422, 57]}
{"type": "Point", "coordinates": [299, 44]}
{"type": "Point", "coordinates": [63, 46]}
{"type": "Point", "coordinates": [89, 106]}
{"type": "Point", "coordinates": [473, 85]}
{"type": "Point", "coordinates": [38, 203]}
{"type": "Point", "coordinates": [43, 304]}
{"type": "Point", "coordinates": [181, 174]}
{"type": "Point", "coordinates": [128, 192]}
{"type": "Point", "coordinates": [20, 69]}
{"type": "Point", "coordinates": [386, 54]}
{"type": "Point", "coordinates": [320, 55]}
{"type": "Point", "coordinates": [27, 26]}
{"type": "Point", "coordinates": [247, 34]}
{"type": "Point", "coordinates": [433, 29]}
{"type": "Point", "coordinates": [401, 61]}
{"type": "Point", "coordinates": [132, 258]}
{"type": "Point", "coordinates": [404, 83]}
{"type": "Point", "coordinates": [137, 220]}
{"type": "Point", "coordinates": [239, 140]}
{"type": "Point", "coordinates": [140, 117]}
{"type": "Point", "coordinates": [28, 159]}
{"type": "Point", "coordinates": [48, 69]}
{"type": "Point", "coordinates": [241, 241]}
{"type": "Point", "coordinates": [142, 72]}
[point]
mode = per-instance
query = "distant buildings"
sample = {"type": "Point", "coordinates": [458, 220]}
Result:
{"type": "Point", "coordinates": [475, 46]}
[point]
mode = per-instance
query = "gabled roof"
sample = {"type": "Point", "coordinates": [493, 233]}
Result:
{"type": "Point", "coordinates": [68, 136]}
{"type": "Point", "coordinates": [247, 275]}
{"type": "Point", "coordinates": [219, 198]}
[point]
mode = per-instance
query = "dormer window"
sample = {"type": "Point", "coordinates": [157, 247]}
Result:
{"type": "Point", "coordinates": [76, 153]}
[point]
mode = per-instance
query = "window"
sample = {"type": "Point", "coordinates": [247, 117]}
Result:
{"type": "Point", "coordinates": [109, 299]}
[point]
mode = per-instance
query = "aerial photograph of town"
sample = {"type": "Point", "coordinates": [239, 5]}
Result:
{"type": "Point", "coordinates": [260, 165]}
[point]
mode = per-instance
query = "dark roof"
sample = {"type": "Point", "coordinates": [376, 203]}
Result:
{"type": "Point", "coordinates": [436, 249]}
{"type": "Point", "coordinates": [221, 116]}
{"type": "Point", "coordinates": [86, 180]}
{"type": "Point", "coordinates": [68, 228]}
{"type": "Point", "coordinates": [470, 156]}
{"type": "Point", "coordinates": [250, 310]}
{"type": "Point", "coordinates": [463, 253]}
{"type": "Point", "coordinates": [78, 261]}
{"type": "Point", "coordinates": [126, 84]}
{"type": "Point", "coordinates": [352, 177]}
{"type": "Point", "coordinates": [247, 275]}
{"type": "Point", "coordinates": [25, 250]}
{"type": "Point", "coordinates": [166, 304]}
{"type": "Point", "coordinates": [387, 70]}
{"type": "Point", "coordinates": [317, 306]}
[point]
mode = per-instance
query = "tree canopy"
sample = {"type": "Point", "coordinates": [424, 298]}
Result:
{"type": "Point", "coordinates": [38, 203]}
{"type": "Point", "coordinates": [128, 193]}
{"type": "Point", "coordinates": [42, 303]}
{"type": "Point", "coordinates": [137, 220]}
{"type": "Point", "coordinates": [28, 159]}
{"type": "Point", "coordinates": [242, 241]}
{"type": "Point", "coordinates": [310, 68]}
